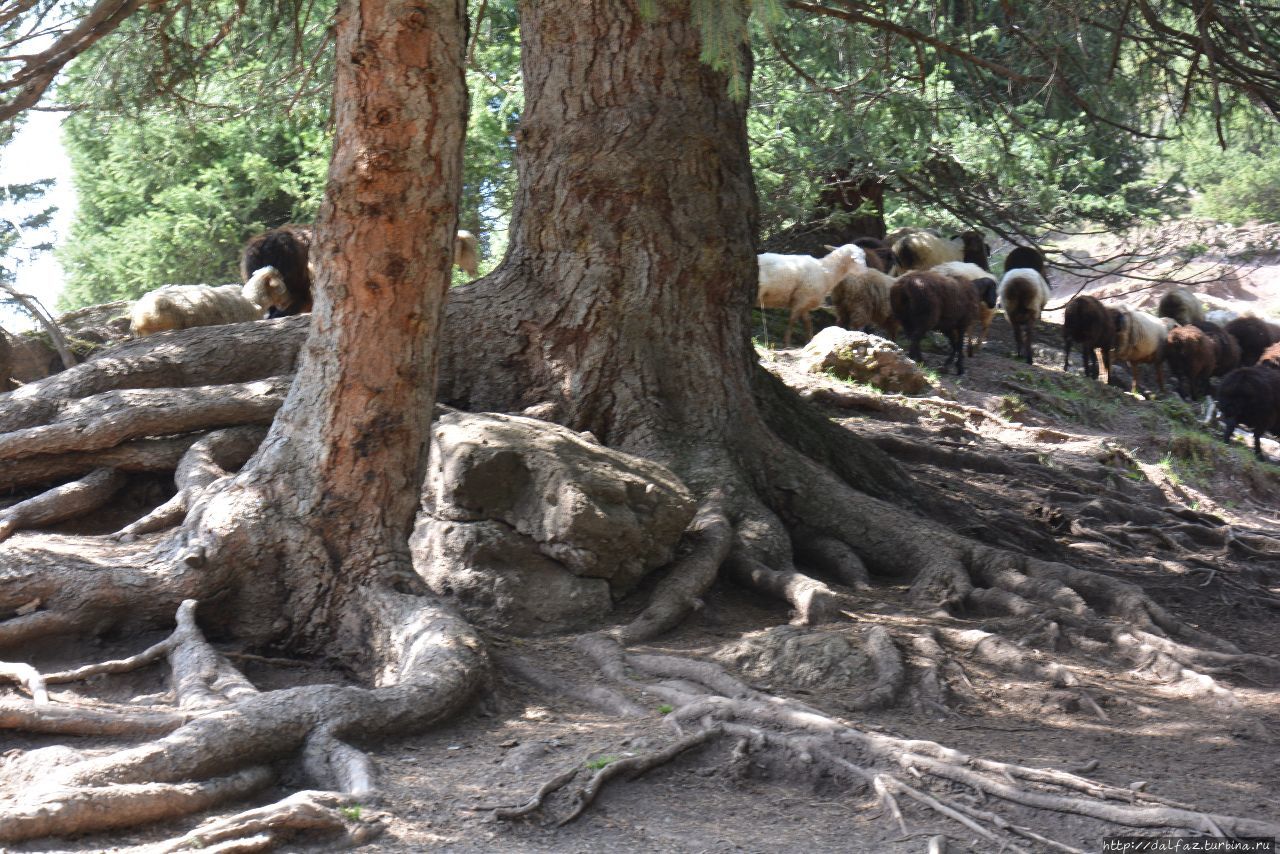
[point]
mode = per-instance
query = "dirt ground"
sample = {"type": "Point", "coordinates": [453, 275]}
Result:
{"type": "Point", "coordinates": [1079, 450]}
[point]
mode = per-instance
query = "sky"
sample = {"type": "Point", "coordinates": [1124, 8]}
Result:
{"type": "Point", "coordinates": [36, 152]}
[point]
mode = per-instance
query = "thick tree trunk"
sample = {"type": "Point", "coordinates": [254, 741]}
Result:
{"type": "Point", "coordinates": [622, 305]}
{"type": "Point", "coordinates": [335, 486]}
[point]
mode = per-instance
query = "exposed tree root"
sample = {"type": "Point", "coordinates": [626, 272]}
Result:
{"type": "Point", "coordinates": [207, 355]}
{"type": "Point", "coordinates": [221, 755]}
{"type": "Point", "coordinates": [112, 417]}
{"type": "Point", "coordinates": [710, 703]}
{"type": "Point", "coordinates": [338, 818]}
{"type": "Point", "coordinates": [64, 502]}
{"type": "Point", "coordinates": [142, 455]}
{"type": "Point", "coordinates": [209, 459]}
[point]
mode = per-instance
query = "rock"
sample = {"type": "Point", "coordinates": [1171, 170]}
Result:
{"type": "Point", "coordinates": [864, 358]}
{"type": "Point", "coordinates": [531, 528]}
{"type": "Point", "coordinates": [806, 658]}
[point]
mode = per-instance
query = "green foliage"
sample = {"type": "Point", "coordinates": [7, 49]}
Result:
{"type": "Point", "coordinates": [180, 155]}
{"type": "Point", "coordinates": [1239, 183]}
{"type": "Point", "coordinates": [666, 709]}
{"type": "Point", "coordinates": [164, 200]}
{"type": "Point", "coordinates": [600, 762]}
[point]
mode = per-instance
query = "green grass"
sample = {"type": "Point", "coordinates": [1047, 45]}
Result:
{"type": "Point", "coordinates": [600, 762]}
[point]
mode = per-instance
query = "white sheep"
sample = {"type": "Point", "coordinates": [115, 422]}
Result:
{"type": "Point", "coordinates": [466, 253]}
{"type": "Point", "coordinates": [924, 250]}
{"type": "Point", "coordinates": [266, 289]}
{"type": "Point", "coordinates": [985, 284]}
{"type": "Point", "coordinates": [1024, 294]}
{"type": "Point", "coordinates": [1140, 338]}
{"type": "Point", "coordinates": [185, 306]}
{"type": "Point", "coordinates": [800, 283]}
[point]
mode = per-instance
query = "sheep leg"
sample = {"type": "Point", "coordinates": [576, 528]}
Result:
{"type": "Point", "coordinates": [1066, 357]}
{"type": "Point", "coordinates": [786, 336]}
{"type": "Point", "coordinates": [1106, 363]}
{"type": "Point", "coordinates": [957, 350]}
{"type": "Point", "coordinates": [1026, 340]}
{"type": "Point", "coordinates": [807, 317]}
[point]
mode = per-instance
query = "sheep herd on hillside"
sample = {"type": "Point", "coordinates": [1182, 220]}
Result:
{"type": "Point", "coordinates": [918, 282]}
{"type": "Point", "coordinates": [913, 283]}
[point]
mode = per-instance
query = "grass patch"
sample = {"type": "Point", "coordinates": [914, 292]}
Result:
{"type": "Point", "coordinates": [600, 762]}
{"type": "Point", "coordinates": [1068, 396]}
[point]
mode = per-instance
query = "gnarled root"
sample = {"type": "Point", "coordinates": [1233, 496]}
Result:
{"type": "Point", "coordinates": [434, 666]}
{"type": "Point", "coordinates": [709, 703]}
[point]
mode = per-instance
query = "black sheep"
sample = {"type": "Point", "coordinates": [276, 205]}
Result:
{"type": "Point", "coordinates": [288, 249]}
{"type": "Point", "coordinates": [1088, 323]}
{"type": "Point", "coordinates": [1254, 335]}
{"type": "Point", "coordinates": [924, 301]}
{"type": "Point", "coordinates": [1250, 396]}
{"type": "Point", "coordinates": [1026, 258]}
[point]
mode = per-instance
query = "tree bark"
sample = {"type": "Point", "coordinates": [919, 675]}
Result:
{"type": "Point", "coordinates": [333, 491]}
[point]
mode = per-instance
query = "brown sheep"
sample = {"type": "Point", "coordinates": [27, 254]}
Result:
{"type": "Point", "coordinates": [1271, 357]}
{"type": "Point", "coordinates": [925, 301]}
{"type": "Point", "coordinates": [1089, 323]}
{"type": "Point", "coordinates": [862, 299]}
{"type": "Point", "coordinates": [1191, 354]}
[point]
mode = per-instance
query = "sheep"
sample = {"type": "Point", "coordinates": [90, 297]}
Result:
{"type": "Point", "coordinates": [466, 252]}
{"type": "Point", "coordinates": [1250, 396]}
{"type": "Point", "coordinates": [1139, 340]}
{"type": "Point", "coordinates": [924, 301]}
{"type": "Point", "coordinates": [801, 283]}
{"type": "Point", "coordinates": [988, 293]}
{"type": "Point", "coordinates": [185, 306]}
{"type": "Point", "coordinates": [1090, 324]}
{"type": "Point", "coordinates": [1254, 335]}
{"type": "Point", "coordinates": [862, 299]}
{"type": "Point", "coordinates": [1025, 258]}
{"type": "Point", "coordinates": [879, 253]}
{"type": "Point", "coordinates": [1271, 357]}
{"type": "Point", "coordinates": [1023, 293]}
{"type": "Point", "coordinates": [1196, 351]}
{"type": "Point", "coordinates": [267, 290]}
{"type": "Point", "coordinates": [923, 250]}
{"type": "Point", "coordinates": [288, 250]}
{"type": "Point", "coordinates": [1182, 305]}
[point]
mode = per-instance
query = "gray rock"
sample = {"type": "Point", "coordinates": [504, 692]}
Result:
{"type": "Point", "coordinates": [532, 528]}
{"type": "Point", "coordinates": [864, 358]}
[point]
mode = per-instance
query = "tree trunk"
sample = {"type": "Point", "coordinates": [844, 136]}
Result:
{"type": "Point", "coordinates": [622, 305]}
{"type": "Point", "coordinates": [338, 477]}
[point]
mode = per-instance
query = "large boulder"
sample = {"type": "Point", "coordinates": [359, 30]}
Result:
{"type": "Point", "coordinates": [531, 528]}
{"type": "Point", "coordinates": [864, 358]}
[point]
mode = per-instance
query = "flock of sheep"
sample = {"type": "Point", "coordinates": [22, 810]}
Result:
{"type": "Point", "coordinates": [918, 282]}
{"type": "Point", "coordinates": [915, 283]}
{"type": "Point", "coordinates": [277, 271]}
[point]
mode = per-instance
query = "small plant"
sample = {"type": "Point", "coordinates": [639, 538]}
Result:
{"type": "Point", "coordinates": [1012, 406]}
{"type": "Point", "coordinates": [1193, 249]}
{"type": "Point", "coordinates": [600, 762]}
{"type": "Point", "coordinates": [352, 812]}
{"type": "Point", "coordinates": [666, 709]}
